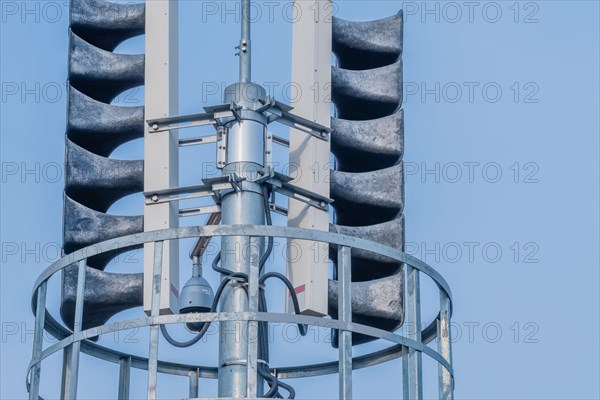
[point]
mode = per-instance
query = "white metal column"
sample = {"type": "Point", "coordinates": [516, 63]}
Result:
{"type": "Point", "coordinates": [309, 156]}
{"type": "Point", "coordinates": [161, 149]}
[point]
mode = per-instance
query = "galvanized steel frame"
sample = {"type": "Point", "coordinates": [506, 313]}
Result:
{"type": "Point", "coordinates": [413, 345]}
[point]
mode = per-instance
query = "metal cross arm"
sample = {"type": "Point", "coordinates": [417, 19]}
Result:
{"type": "Point", "coordinates": [281, 183]}
{"type": "Point", "coordinates": [219, 114]}
{"type": "Point", "coordinates": [281, 113]}
{"type": "Point", "coordinates": [213, 116]}
{"type": "Point", "coordinates": [211, 187]}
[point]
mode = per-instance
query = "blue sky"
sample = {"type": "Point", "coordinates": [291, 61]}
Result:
{"type": "Point", "coordinates": [502, 186]}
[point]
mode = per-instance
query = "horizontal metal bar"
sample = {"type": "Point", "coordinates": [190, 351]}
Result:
{"type": "Point", "coordinates": [281, 141]}
{"type": "Point", "coordinates": [278, 209]}
{"type": "Point", "coordinates": [304, 371]}
{"type": "Point", "coordinates": [291, 194]}
{"type": "Point", "coordinates": [187, 192]}
{"type": "Point", "coordinates": [210, 117]}
{"type": "Point", "coordinates": [281, 106]}
{"type": "Point", "coordinates": [218, 109]}
{"type": "Point", "coordinates": [302, 124]}
{"type": "Point", "coordinates": [193, 211]}
{"type": "Point", "coordinates": [244, 230]}
{"type": "Point", "coordinates": [186, 121]}
{"type": "Point", "coordinates": [246, 316]}
{"type": "Point", "coordinates": [56, 329]}
{"type": "Point", "coordinates": [197, 140]}
{"type": "Point", "coordinates": [308, 194]}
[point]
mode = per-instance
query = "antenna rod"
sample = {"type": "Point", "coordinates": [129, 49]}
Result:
{"type": "Point", "coordinates": [245, 57]}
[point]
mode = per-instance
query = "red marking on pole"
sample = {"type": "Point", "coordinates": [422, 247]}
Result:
{"type": "Point", "coordinates": [300, 289]}
{"type": "Point", "coordinates": [175, 291]}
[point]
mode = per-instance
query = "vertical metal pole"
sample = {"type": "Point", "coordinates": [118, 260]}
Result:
{"type": "Point", "coordinates": [445, 348]}
{"type": "Point", "coordinates": [72, 371]}
{"type": "Point", "coordinates": [245, 55]}
{"type": "Point", "coordinates": [194, 376]}
{"type": "Point", "coordinates": [65, 371]}
{"type": "Point", "coordinates": [156, 286]}
{"type": "Point", "coordinates": [38, 340]}
{"type": "Point", "coordinates": [242, 207]}
{"type": "Point", "coordinates": [405, 376]}
{"type": "Point", "coordinates": [245, 156]}
{"type": "Point", "coordinates": [345, 315]}
{"type": "Point", "coordinates": [253, 266]}
{"type": "Point", "coordinates": [415, 379]}
{"type": "Point", "coordinates": [124, 377]}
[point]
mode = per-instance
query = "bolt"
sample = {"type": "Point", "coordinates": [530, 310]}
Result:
{"type": "Point", "coordinates": [322, 204]}
{"type": "Point", "coordinates": [155, 127]}
{"type": "Point", "coordinates": [155, 198]}
{"type": "Point", "coordinates": [323, 134]}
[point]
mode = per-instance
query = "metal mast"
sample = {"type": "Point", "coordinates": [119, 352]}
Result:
{"type": "Point", "coordinates": [245, 150]}
{"type": "Point", "coordinates": [375, 287]}
{"type": "Point", "coordinates": [245, 49]}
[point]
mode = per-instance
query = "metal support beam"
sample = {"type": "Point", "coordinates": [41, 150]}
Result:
{"type": "Point", "coordinates": [194, 376]}
{"type": "Point", "coordinates": [445, 348]}
{"type": "Point", "coordinates": [38, 340]}
{"type": "Point", "coordinates": [161, 150]}
{"type": "Point", "coordinates": [155, 311]}
{"type": "Point", "coordinates": [65, 371]}
{"type": "Point", "coordinates": [413, 323]}
{"type": "Point", "coordinates": [124, 377]}
{"type": "Point", "coordinates": [405, 376]}
{"type": "Point", "coordinates": [244, 158]}
{"type": "Point", "coordinates": [252, 257]}
{"type": "Point", "coordinates": [311, 71]}
{"type": "Point", "coordinates": [72, 370]}
{"type": "Point", "coordinates": [345, 315]}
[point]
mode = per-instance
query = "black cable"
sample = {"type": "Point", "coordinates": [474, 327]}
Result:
{"type": "Point", "coordinates": [215, 266]}
{"type": "Point", "coordinates": [266, 254]}
{"type": "Point", "coordinates": [263, 369]}
{"type": "Point", "coordinates": [289, 388]}
{"type": "Point", "coordinates": [269, 222]}
{"type": "Point", "coordinates": [302, 328]}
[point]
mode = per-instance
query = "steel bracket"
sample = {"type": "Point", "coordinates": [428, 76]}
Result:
{"type": "Point", "coordinates": [281, 113]}
{"type": "Point", "coordinates": [281, 183]}
{"type": "Point", "coordinates": [210, 187]}
{"type": "Point", "coordinates": [214, 115]}
{"type": "Point", "coordinates": [221, 147]}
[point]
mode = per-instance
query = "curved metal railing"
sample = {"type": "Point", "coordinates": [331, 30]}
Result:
{"type": "Point", "coordinates": [411, 346]}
